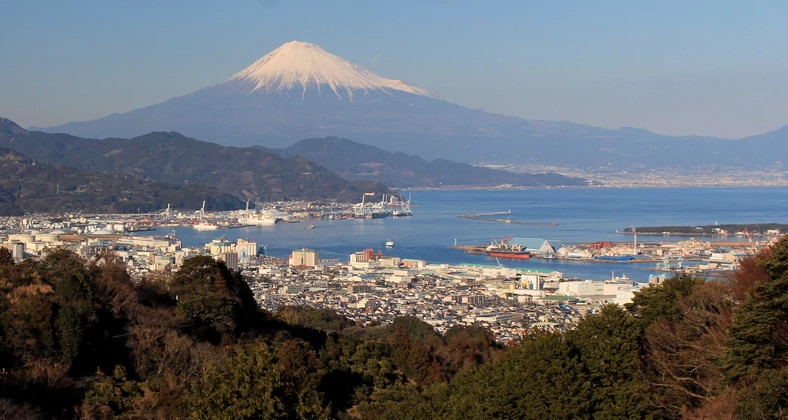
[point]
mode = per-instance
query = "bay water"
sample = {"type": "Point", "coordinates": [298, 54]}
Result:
{"type": "Point", "coordinates": [581, 215]}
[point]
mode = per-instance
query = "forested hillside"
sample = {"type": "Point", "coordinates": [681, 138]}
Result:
{"type": "Point", "coordinates": [27, 186]}
{"type": "Point", "coordinates": [361, 162]}
{"type": "Point", "coordinates": [168, 157]}
{"type": "Point", "coordinates": [79, 339]}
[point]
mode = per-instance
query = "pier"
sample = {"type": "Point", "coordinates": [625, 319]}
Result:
{"type": "Point", "coordinates": [471, 249]}
{"type": "Point", "coordinates": [486, 218]}
{"type": "Point", "coordinates": [482, 250]}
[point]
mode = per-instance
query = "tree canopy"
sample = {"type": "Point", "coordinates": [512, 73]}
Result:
{"type": "Point", "coordinates": [79, 338]}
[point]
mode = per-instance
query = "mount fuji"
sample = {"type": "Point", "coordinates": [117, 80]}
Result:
{"type": "Point", "coordinates": [301, 91]}
{"type": "Point", "coordinates": [296, 91]}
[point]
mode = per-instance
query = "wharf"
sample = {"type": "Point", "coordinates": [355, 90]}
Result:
{"type": "Point", "coordinates": [635, 261]}
{"type": "Point", "coordinates": [140, 229]}
{"type": "Point", "coordinates": [471, 249]}
{"type": "Point", "coordinates": [610, 243]}
{"type": "Point", "coordinates": [482, 249]}
{"type": "Point", "coordinates": [687, 234]}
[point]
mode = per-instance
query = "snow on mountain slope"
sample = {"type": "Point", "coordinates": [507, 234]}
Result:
{"type": "Point", "coordinates": [306, 64]}
{"type": "Point", "coordinates": [301, 91]}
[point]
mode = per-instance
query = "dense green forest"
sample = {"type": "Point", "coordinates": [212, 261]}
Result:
{"type": "Point", "coordinates": [27, 186]}
{"type": "Point", "coordinates": [171, 158]}
{"type": "Point", "coordinates": [79, 339]}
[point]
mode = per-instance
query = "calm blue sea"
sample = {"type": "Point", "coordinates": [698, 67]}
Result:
{"type": "Point", "coordinates": [581, 215]}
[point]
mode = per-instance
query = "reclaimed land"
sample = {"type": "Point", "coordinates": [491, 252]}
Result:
{"type": "Point", "coordinates": [731, 229]}
{"type": "Point", "coordinates": [482, 249]}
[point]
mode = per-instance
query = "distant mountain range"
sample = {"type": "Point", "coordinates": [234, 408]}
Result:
{"type": "Point", "coordinates": [28, 186]}
{"type": "Point", "coordinates": [301, 91]}
{"type": "Point", "coordinates": [356, 161]}
{"type": "Point", "coordinates": [172, 158]}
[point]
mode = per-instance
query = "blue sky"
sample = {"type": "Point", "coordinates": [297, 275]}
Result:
{"type": "Point", "coordinates": [676, 67]}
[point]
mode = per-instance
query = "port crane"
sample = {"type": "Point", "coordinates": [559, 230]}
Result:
{"type": "Point", "coordinates": [364, 208]}
{"type": "Point", "coordinates": [503, 244]}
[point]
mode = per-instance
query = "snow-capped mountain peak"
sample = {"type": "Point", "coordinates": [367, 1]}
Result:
{"type": "Point", "coordinates": [302, 63]}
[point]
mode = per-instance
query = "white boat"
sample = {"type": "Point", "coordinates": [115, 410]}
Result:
{"type": "Point", "coordinates": [310, 227]}
{"type": "Point", "coordinates": [203, 225]}
{"type": "Point", "coordinates": [389, 243]}
{"type": "Point", "coordinates": [253, 218]}
{"type": "Point", "coordinates": [257, 219]}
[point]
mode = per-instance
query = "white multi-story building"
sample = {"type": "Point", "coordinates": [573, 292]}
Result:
{"type": "Point", "coordinates": [304, 258]}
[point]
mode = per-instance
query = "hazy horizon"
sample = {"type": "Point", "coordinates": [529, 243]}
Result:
{"type": "Point", "coordinates": [715, 69]}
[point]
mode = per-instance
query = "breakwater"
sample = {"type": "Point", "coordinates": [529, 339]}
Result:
{"type": "Point", "coordinates": [486, 217]}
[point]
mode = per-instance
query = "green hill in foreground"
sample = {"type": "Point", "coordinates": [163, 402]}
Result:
{"type": "Point", "coordinates": [80, 340]}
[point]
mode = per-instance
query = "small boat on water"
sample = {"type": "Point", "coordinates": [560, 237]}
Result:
{"type": "Point", "coordinates": [389, 243]}
{"type": "Point", "coordinates": [310, 227]}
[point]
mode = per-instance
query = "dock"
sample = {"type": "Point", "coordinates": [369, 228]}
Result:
{"type": "Point", "coordinates": [486, 218]}
{"type": "Point", "coordinates": [482, 249]}
{"type": "Point", "coordinates": [471, 249]}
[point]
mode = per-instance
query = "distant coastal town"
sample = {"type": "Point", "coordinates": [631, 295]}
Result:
{"type": "Point", "coordinates": [618, 177]}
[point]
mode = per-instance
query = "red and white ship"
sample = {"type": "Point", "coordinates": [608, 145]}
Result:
{"type": "Point", "coordinates": [504, 249]}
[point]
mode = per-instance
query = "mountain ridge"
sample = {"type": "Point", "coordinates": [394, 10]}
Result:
{"type": "Point", "coordinates": [173, 158]}
{"type": "Point", "coordinates": [29, 186]}
{"type": "Point", "coordinates": [290, 101]}
{"type": "Point", "coordinates": [356, 161]}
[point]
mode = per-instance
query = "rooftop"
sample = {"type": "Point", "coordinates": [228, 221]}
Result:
{"type": "Point", "coordinates": [519, 270]}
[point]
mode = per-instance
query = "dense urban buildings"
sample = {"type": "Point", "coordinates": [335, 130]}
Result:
{"type": "Point", "coordinates": [370, 287]}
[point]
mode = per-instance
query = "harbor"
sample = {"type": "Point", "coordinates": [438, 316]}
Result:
{"type": "Point", "coordinates": [427, 235]}
{"type": "Point", "coordinates": [695, 257]}
{"type": "Point", "coordinates": [482, 250]}
{"type": "Point", "coordinates": [263, 214]}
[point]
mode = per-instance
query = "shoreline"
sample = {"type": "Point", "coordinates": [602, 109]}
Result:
{"type": "Point", "coordinates": [590, 187]}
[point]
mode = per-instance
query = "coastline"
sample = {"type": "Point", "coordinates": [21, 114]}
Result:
{"type": "Point", "coordinates": [588, 187]}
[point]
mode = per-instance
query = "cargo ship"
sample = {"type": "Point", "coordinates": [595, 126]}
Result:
{"type": "Point", "coordinates": [504, 249]}
{"type": "Point", "coordinates": [253, 218]}
{"type": "Point", "coordinates": [203, 226]}
{"type": "Point", "coordinates": [517, 255]}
